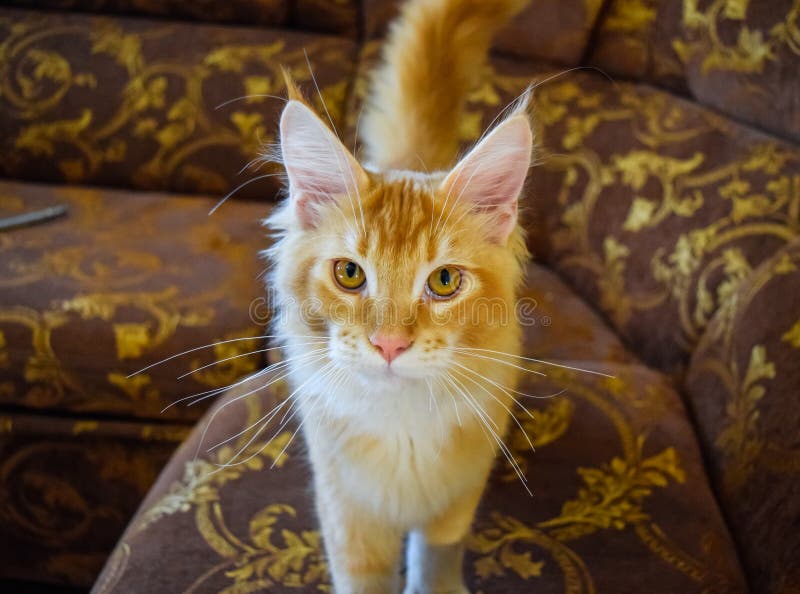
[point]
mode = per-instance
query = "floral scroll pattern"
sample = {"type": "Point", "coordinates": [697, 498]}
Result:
{"type": "Point", "coordinates": [742, 385]}
{"type": "Point", "coordinates": [77, 318]}
{"type": "Point", "coordinates": [664, 225]}
{"type": "Point", "coordinates": [738, 56]}
{"type": "Point", "coordinates": [145, 120]}
{"type": "Point", "coordinates": [68, 488]}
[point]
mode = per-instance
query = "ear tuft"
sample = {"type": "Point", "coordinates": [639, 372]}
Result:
{"type": "Point", "coordinates": [490, 177]}
{"type": "Point", "coordinates": [293, 92]}
{"type": "Point", "coordinates": [318, 165]}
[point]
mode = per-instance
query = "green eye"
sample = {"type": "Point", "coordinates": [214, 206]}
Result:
{"type": "Point", "coordinates": [444, 282]}
{"type": "Point", "coordinates": [348, 274]}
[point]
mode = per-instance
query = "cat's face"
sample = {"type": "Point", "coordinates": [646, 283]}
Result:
{"type": "Point", "coordinates": [399, 270]}
{"type": "Point", "coordinates": [396, 300]}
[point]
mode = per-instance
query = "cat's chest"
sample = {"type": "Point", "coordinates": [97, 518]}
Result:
{"type": "Point", "coordinates": [400, 476]}
{"type": "Point", "coordinates": [410, 475]}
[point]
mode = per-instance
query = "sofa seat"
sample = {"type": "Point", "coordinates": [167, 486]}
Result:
{"type": "Point", "coordinates": [124, 280]}
{"type": "Point", "coordinates": [69, 486]}
{"type": "Point", "coordinates": [619, 488]}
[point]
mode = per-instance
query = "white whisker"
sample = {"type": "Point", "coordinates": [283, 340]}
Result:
{"type": "Point", "coordinates": [252, 96]}
{"type": "Point", "coordinates": [320, 341]}
{"type": "Point", "coordinates": [433, 400]}
{"type": "Point", "coordinates": [213, 344]}
{"type": "Point", "coordinates": [224, 405]}
{"type": "Point", "coordinates": [508, 410]}
{"type": "Point", "coordinates": [304, 361]}
{"type": "Point", "coordinates": [543, 362]}
{"type": "Point", "coordinates": [258, 432]}
{"type": "Point", "coordinates": [478, 410]}
{"type": "Point", "coordinates": [239, 187]}
{"type": "Point", "coordinates": [496, 360]}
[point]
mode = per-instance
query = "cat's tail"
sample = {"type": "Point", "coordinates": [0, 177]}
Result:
{"type": "Point", "coordinates": [434, 53]}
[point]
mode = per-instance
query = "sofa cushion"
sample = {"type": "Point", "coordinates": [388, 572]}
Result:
{"type": "Point", "coordinates": [744, 389]}
{"type": "Point", "coordinates": [554, 30]}
{"type": "Point", "coordinates": [68, 487]}
{"type": "Point", "coordinates": [330, 16]}
{"type": "Point", "coordinates": [270, 13]}
{"type": "Point", "coordinates": [657, 208]}
{"type": "Point", "coordinates": [742, 58]}
{"type": "Point", "coordinates": [633, 40]}
{"type": "Point", "coordinates": [122, 281]}
{"type": "Point", "coordinates": [140, 103]}
{"type": "Point", "coordinates": [620, 502]}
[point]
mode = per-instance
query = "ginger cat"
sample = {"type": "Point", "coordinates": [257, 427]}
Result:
{"type": "Point", "coordinates": [387, 278]}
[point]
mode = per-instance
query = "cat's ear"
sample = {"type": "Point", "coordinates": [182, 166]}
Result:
{"type": "Point", "coordinates": [492, 174]}
{"type": "Point", "coordinates": [318, 165]}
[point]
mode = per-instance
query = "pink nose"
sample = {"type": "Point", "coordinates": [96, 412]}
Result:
{"type": "Point", "coordinates": [389, 345]}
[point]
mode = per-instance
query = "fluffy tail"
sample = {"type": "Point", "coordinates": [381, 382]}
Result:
{"type": "Point", "coordinates": [434, 53]}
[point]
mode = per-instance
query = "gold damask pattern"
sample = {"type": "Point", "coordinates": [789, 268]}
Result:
{"type": "Point", "coordinates": [112, 287]}
{"type": "Point", "coordinates": [328, 16]}
{"type": "Point", "coordinates": [142, 103]}
{"type": "Point", "coordinates": [251, 527]}
{"type": "Point", "coordinates": [739, 56]}
{"type": "Point", "coordinates": [268, 13]}
{"type": "Point", "coordinates": [68, 488]}
{"type": "Point", "coordinates": [742, 57]}
{"type": "Point", "coordinates": [632, 41]}
{"type": "Point", "coordinates": [743, 385]}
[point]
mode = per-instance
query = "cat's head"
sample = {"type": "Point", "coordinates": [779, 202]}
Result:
{"type": "Point", "coordinates": [398, 270]}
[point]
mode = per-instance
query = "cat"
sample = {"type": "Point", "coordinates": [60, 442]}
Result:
{"type": "Point", "coordinates": [380, 270]}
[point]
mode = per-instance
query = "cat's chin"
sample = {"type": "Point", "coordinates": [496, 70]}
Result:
{"type": "Point", "coordinates": [392, 375]}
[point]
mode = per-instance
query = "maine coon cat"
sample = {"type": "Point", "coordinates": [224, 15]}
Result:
{"type": "Point", "coordinates": [399, 257]}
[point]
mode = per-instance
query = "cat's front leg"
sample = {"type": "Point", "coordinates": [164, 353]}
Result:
{"type": "Point", "coordinates": [433, 569]}
{"type": "Point", "coordinates": [363, 552]}
{"type": "Point", "coordinates": [435, 553]}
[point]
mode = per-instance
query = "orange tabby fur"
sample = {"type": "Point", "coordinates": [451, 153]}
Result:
{"type": "Point", "coordinates": [434, 55]}
{"type": "Point", "coordinates": [405, 446]}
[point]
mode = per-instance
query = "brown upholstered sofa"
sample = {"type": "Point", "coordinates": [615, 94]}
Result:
{"type": "Point", "coordinates": [664, 216]}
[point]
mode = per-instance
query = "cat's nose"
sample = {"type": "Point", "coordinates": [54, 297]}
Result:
{"type": "Point", "coordinates": [390, 345]}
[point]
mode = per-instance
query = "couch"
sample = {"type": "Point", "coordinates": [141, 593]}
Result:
{"type": "Point", "coordinates": [663, 214]}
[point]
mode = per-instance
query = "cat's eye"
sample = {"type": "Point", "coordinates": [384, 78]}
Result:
{"type": "Point", "coordinates": [348, 274]}
{"type": "Point", "coordinates": [444, 282]}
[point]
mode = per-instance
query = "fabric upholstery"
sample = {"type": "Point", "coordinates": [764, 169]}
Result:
{"type": "Point", "coordinates": [555, 30]}
{"type": "Point", "coordinates": [129, 102]}
{"type": "Point", "coordinates": [270, 13]}
{"type": "Point", "coordinates": [633, 40]}
{"type": "Point", "coordinates": [125, 280]}
{"type": "Point", "coordinates": [669, 228]}
{"type": "Point", "coordinates": [744, 390]}
{"type": "Point", "coordinates": [68, 487]}
{"type": "Point", "coordinates": [330, 16]}
{"type": "Point", "coordinates": [739, 56]}
{"type": "Point", "coordinates": [656, 208]}
{"type": "Point", "coordinates": [619, 490]}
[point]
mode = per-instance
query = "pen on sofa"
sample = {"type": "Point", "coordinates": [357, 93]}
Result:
{"type": "Point", "coordinates": [33, 218]}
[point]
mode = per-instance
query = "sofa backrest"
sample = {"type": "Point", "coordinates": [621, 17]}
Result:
{"type": "Point", "coordinates": [326, 16]}
{"type": "Point", "coordinates": [152, 104]}
{"type": "Point", "coordinates": [555, 31]}
{"type": "Point", "coordinates": [741, 57]}
{"type": "Point", "coordinates": [743, 387]}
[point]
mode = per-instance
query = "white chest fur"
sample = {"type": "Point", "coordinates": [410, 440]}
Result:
{"type": "Point", "coordinates": [388, 446]}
